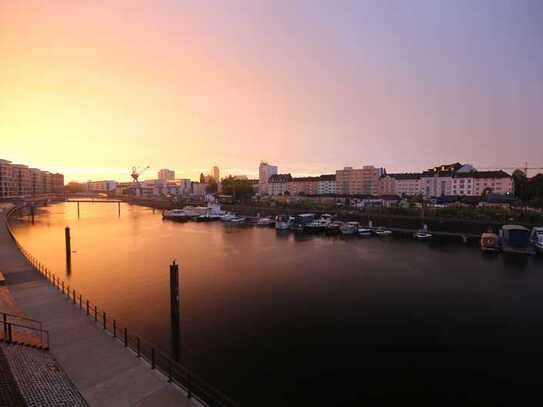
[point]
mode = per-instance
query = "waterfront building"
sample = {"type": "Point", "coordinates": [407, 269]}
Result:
{"type": "Point", "coordinates": [57, 183]}
{"type": "Point", "coordinates": [476, 183]}
{"type": "Point", "coordinates": [326, 184]}
{"type": "Point", "coordinates": [199, 188]}
{"type": "Point", "coordinates": [303, 186]}
{"type": "Point", "coordinates": [101, 186]}
{"type": "Point", "coordinates": [23, 180]}
{"type": "Point", "coordinates": [7, 182]}
{"type": "Point", "coordinates": [265, 171]}
{"type": "Point", "coordinates": [402, 184]}
{"type": "Point", "coordinates": [278, 184]}
{"type": "Point", "coordinates": [438, 181]}
{"type": "Point", "coordinates": [215, 173]}
{"type": "Point", "coordinates": [166, 174]}
{"type": "Point", "coordinates": [361, 181]}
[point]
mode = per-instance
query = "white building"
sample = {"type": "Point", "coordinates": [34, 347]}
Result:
{"type": "Point", "coordinates": [326, 184]}
{"type": "Point", "coordinates": [265, 171]}
{"type": "Point", "coordinates": [166, 174]}
{"type": "Point", "coordinates": [278, 184]}
{"type": "Point", "coordinates": [101, 186]}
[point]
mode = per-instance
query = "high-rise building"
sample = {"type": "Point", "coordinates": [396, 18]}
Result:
{"type": "Point", "coordinates": [166, 174]}
{"type": "Point", "coordinates": [265, 171]}
{"type": "Point", "coordinates": [215, 173]}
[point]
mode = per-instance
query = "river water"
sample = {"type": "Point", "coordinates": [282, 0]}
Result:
{"type": "Point", "coordinates": [282, 319]}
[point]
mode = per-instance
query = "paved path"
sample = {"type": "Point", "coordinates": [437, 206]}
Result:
{"type": "Point", "coordinates": [106, 373]}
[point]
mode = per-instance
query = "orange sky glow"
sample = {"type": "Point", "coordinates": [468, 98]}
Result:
{"type": "Point", "coordinates": [92, 88]}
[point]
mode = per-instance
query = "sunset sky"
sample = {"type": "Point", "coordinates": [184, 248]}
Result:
{"type": "Point", "coordinates": [91, 88]}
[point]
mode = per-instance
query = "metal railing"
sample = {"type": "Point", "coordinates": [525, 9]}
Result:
{"type": "Point", "coordinates": [17, 328]}
{"type": "Point", "coordinates": [194, 386]}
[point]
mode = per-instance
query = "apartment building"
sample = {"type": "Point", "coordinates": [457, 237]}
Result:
{"type": "Point", "coordinates": [278, 184]}
{"type": "Point", "coordinates": [101, 186]}
{"type": "Point", "coordinates": [303, 186]}
{"type": "Point", "coordinates": [18, 180]}
{"type": "Point", "coordinates": [361, 181]}
{"type": "Point", "coordinates": [475, 183]}
{"type": "Point", "coordinates": [8, 187]}
{"type": "Point", "coordinates": [402, 184]}
{"type": "Point", "coordinates": [326, 184]}
{"type": "Point", "coordinates": [22, 179]}
{"type": "Point", "coordinates": [166, 174]}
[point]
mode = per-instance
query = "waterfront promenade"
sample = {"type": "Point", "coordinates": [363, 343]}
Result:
{"type": "Point", "coordinates": [104, 372]}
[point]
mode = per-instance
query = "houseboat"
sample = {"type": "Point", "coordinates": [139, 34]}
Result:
{"type": "Point", "coordinates": [515, 239]}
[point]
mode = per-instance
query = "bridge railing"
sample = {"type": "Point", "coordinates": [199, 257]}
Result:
{"type": "Point", "coordinates": [194, 386]}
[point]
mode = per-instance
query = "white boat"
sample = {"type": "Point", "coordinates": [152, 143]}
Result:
{"type": "Point", "coordinates": [319, 225]}
{"type": "Point", "coordinates": [365, 232]}
{"type": "Point", "coordinates": [537, 238]}
{"type": "Point", "coordinates": [267, 221]}
{"type": "Point", "coordinates": [237, 220]}
{"type": "Point", "coordinates": [349, 228]}
{"type": "Point", "coordinates": [423, 234]}
{"type": "Point", "coordinates": [227, 217]}
{"type": "Point", "coordinates": [382, 232]}
{"type": "Point", "coordinates": [283, 222]}
{"type": "Point", "coordinates": [175, 214]}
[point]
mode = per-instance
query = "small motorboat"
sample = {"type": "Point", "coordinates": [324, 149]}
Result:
{"type": "Point", "coordinates": [301, 221]}
{"type": "Point", "coordinates": [365, 232]}
{"type": "Point", "coordinates": [318, 225]}
{"type": "Point", "coordinates": [178, 215]}
{"type": "Point", "coordinates": [237, 220]}
{"type": "Point", "coordinates": [283, 222]}
{"type": "Point", "coordinates": [267, 221]}
{"type": "Point", "coordinates": [349, 228]}
{"type": "Point", "coordinates": [423, 234]}
{"type": "Point", "coordinates": [334, 228]}
{"type": "Point", "coordinates": [382, 232]}
{"type": "Point", "coordinates": [227, 217]}
{"type": "Point", "coordinates": [537, 238]}
{"type": "Point", "coordinates": [515, 239]}
{"type": "Point", "coordinates": [490, 242]}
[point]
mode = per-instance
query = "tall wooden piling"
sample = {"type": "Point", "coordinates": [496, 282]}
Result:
{"type": "Point", "coordinates": [32, 213]}
{"type": "Point", "coordinates": [174, 309]}
{"type": "Point", "coordinates": [68, 248]}
{"type": "Point", "coordinates": [119, 209]}
{"type": "Point", "coordinates": [77, 209]}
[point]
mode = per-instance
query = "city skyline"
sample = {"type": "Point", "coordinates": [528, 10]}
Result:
{"type": "Point", "coordinates": [313, 86]}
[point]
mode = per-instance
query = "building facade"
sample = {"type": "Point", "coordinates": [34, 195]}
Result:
{"type": "Point", "coordinates": [278, 184]}
{"type": "Point", "coordinates": [19, 181]}
{"type": "Point", "coordinates": [101, 186]}
{"type": "Point", "coordinates": [215, 173]}
{"type": "Point", "coordinates": [327, 184]}
{"type": "Point", "coordinates": [402, 184]}
{"type": "Point", "coordinates": [361, 181]}
{"type": "Point", "coordinates": [265, 171]}
{"type": "Point", "coordinates": [166, 174]}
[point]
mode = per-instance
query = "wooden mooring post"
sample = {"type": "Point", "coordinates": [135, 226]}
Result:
{"type": "Point", "coordinates": [174, 309]}
{"type": "Point", "coordinates": [67, 238]}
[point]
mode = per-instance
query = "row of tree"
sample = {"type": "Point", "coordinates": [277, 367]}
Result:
{"type": "Point", "coordinates": [528, 190]}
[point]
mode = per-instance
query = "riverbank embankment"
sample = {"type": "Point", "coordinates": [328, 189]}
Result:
{"type": "Point", "coordinates": [104, 372]}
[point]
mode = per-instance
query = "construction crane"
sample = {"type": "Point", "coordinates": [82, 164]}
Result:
{"type": "Point", "coordinates": [135, 174]}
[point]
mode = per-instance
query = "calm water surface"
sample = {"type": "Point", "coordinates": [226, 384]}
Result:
{"type": "Point", "coordinates": [282, 319]}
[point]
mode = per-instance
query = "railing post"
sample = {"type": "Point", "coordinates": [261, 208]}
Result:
{"type": "Point", "coordinates": [10, 337]}
{"type": "Point", "coordinates": [138, 346]}
{"type": "Point", "coordinates": [152, 358]}
{"type": "Point", "coordinates": [96, 313]}
{"type": "Point", "coordinates": [125, 337]}
{"type": "Point", "coordinates": [104, 321]}
{"type": "Point", "coordinates": [62, 286]}
{"type": "Point", "coordinates": [87, 307]}
{"type": "Point", "coordinates": [189, 386]}
{"type": "Point", "coordinates": [74, 295]}
{"type": "Point", "coordinates": [80, 301]}
{"type": "Point", "coordinates": [114, 328]}
{"type": "Point", "coordinates": [5, 318]}
{"type": "Point", "coordinates": [169, 370]}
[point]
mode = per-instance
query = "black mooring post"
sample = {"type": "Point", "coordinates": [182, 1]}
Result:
{"type": "Point", "coordinates": [174, 308]}
{"type": "Point", "coordinates": [32, 213]}
{"type": "Point", "coordinates": [68, 248]}
{"type": "Point", "coordinates": [119, 209]}
{"type": "Point", "coordinates": [77, 209]}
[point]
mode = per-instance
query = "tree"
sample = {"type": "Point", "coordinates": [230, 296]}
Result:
{"type": "Point", "coordinates": [240, 189]}
{"type": "Point", "coordinates": [202, 178]}
{"type": "Point", "coordinates": [212, 186]}
{"type": "Point", "coordinates": [74, 187]}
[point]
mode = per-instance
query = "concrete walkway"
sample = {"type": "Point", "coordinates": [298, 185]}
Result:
{"type": "Point", "coordinates": [106, 373]}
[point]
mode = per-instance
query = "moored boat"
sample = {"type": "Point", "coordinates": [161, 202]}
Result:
{"type": "Point", "coordinates": [283, 222]}
{"type": "Point", "coordinates": [349, 228]}
{"type": "Point", "coordinates": [490, 242]}
{"type": "Point", "coordinates": [266, 221]}
{"type": "Point", "coordinates": [178, 215]}
{"type": "Point", "coordinates": [537, 238]}
{"type": "Point", "coordinates": [515, 239]}
{"type": "Point", "coordinates": [301, 221]}
{"type": "Point", "coordinates": [423, 234]}
{"type": "Point", "coordinates": [334, 228]}
{"type": "Point", "coordinates": [318, 225]}
{"type": "Point", "coordinates": [382, 232]}
{"type": "Point", "coordinates": [365, 232]}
